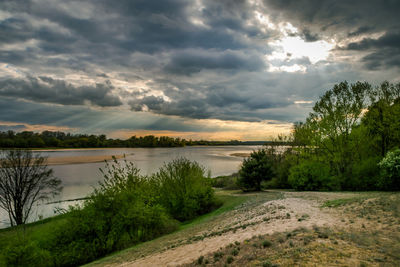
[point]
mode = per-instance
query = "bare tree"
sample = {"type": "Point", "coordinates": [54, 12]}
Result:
{"type": "Point", "coordinates": [24, 180]}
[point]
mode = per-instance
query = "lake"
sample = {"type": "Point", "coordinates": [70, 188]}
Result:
{"type": "Point", "coordinates": [79, 180]}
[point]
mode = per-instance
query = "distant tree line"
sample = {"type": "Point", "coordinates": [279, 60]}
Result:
{"type": "Point", "coordinates": [49, 139]}
{"type": "Point", "coordinates": [350, 141]}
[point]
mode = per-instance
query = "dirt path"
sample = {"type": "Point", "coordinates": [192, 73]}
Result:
{"type": "Point", "coordinates": [281, 215]}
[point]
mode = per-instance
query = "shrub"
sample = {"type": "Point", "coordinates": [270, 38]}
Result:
{"type": "Point", "coordinates": [365, 174]}
{"type": "Point", "coordinates": [266, 243]}
{"type": "Point", "coordinates": [390, 171]}
{"type": "Point", "coordinates": [26, 253]}
{"type": "Point", "coordinates": [312, 175]}
{"type": "Point", "coordinates": [255, 169]}
{"type": "Point", "coordinates": [123, 210]}
{"type": "Point", "coordinates": [184, 189]}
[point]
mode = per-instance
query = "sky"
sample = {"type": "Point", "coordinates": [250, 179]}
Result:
{"type": "Point", "coordinates": [216, 70]}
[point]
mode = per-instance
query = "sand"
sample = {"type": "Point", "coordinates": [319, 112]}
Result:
{"type": "Point", "coordinates": [80, 159]}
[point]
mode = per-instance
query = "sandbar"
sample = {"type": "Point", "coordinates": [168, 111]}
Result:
{"type": "Point", "coordinates": [80, 159]}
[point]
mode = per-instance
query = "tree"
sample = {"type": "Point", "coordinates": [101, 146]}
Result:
{"type": "Point", "coordinates": [334, 117]}
{"type": "Point", "coordinates": [381, 120]}
{"type": "Point", "coordinates": [255, 169]}
{"type": "Point", "coordinates": [24, 180]}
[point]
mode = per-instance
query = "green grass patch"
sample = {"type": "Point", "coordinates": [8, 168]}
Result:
{"type": "Point", "coordinates": [342, 201]}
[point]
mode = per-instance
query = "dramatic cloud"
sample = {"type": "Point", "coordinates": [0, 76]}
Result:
{"type": "Point", "coordinates": [370, 26]}
{"type": "Point", "coordinates": [176, 65]}
{"type": "Point", "coordinates": [45, 89]}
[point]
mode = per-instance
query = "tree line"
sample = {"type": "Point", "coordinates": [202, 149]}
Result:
{"type": "Point", "coordinates": [49, 139]}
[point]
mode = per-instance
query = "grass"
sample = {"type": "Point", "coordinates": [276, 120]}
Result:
{"type": "Point", "coordinates": [38, 231]}
{"type": "Point", "coordinates": [342, 201]}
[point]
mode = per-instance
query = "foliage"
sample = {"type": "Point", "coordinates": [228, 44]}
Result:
{"type": "Point", "coordinates": [123, 210]}
{"type": "Point", "coordinates": [24, 180]}
{"type": "Point", "coordinates": [311, 175]}
{"type": "Point", "coordinates": [351, 128]}
{"type": "Point", "coordinates": [184, 189]}
{"type": "Point", "coordinates": [26, 253]}
{"type": "Point", "coordinates": [255, 169]}
{"type": "Point", "coordinates": [365, 174]}
{"type": "Point", "coordinates": [390, 167]}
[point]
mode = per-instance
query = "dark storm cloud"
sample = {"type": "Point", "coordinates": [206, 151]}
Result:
{"type": "Point", "coordinates": [194, 61]}
{"type": "Point", "coordinates": [386, 51]}
{"type": "Point", "coordinates": [323, 19]}
{"type": "Point", "coordinates": [333, 16]}
{"type": "Point", "coordinates": [45, 89]}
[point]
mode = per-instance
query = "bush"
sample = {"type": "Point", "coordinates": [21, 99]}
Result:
{"type": "Point", "coordinates": [255, 169]}
{"type": "Point", "coordinates": [312, 175]}
{"type": "Point", "coordinates": [390, 171]}
{"type": "Point", "coordinates": [365, 174]}
{"type": "Point", "coordinates": [26, 253]}
{"type": "Point", "coordinates": [184, 190]}
{"type": "Point", "coordinates": [124, 210]}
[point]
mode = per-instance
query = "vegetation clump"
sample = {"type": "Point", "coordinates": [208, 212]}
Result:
{"type": "Point", "coordinates": [255, 169]}
{"type": "Point", "coordinates": [390, 171]}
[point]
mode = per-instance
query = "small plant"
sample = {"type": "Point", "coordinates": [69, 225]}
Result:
{"type": "Point", "coordinates": [266, 243]}
{"type": "Point", "coordinates": [218, 255]}
{"type": "Point", "coordinates": [303, 217]}
{"type": "Point", "coordinates": [235, 252]}
{"type": "Point", "coordinates": [229, 259]}
{"type": "Point", "coordinates": [200, 260]}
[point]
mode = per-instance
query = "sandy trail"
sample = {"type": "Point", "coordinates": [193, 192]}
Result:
{"type": "Point", "coordinates": [269, 217]}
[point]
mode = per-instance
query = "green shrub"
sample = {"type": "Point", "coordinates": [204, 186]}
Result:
{"type": "Point", "coordinates": [365, 174]}
{"type": "Point", "coordinates": [124, 210]}
{"type": "Point", "coordinates": [266, 243]}
{"type": "Point", "coordinates": [312, 175]}
{"type": "Point", "coordinates": [255, 169]}
{"type": "Point", "coordinates": [184, 189]}
{"type": "Point", "coordinates": [26, 253]}
{"type": "Point", "coordinates": [390, 171]}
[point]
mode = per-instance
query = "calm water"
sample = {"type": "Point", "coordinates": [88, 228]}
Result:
{"type": "Point", "coordinates": [79, 180]}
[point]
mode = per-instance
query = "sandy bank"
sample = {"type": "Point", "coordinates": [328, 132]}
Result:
{"type": "Point", "coordinates": [80, 159]}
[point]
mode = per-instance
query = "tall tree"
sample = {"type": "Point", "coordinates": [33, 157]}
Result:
{"type": "Point", "coordinates": [330, 124]}
{"type": "Point", "coordinates": [383, 117]}
{"type": "Point", "coordinates": [24, 180]}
